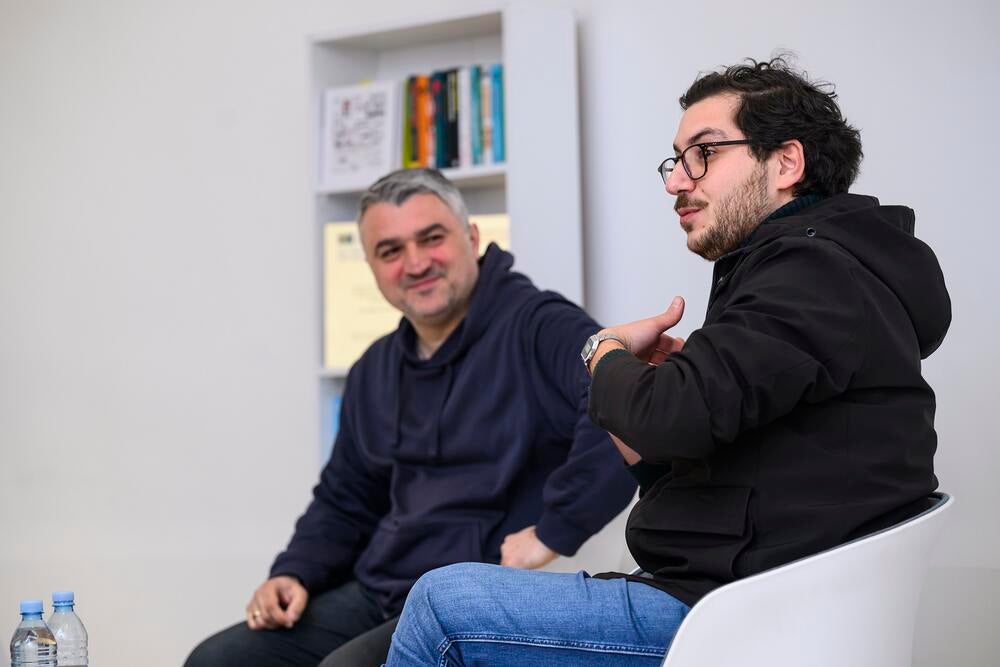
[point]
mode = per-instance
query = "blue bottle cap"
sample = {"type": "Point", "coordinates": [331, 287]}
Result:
{"type": "Point", "coordinates": [62, 597]}
{"type": "Point", "coordinates": [31, 606]}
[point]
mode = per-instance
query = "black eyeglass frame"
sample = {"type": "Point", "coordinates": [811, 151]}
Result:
{"type": "Point", "coordinates": [704, 158]}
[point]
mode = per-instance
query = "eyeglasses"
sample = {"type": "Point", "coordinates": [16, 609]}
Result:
{"type": "Point", "coordinates": [695, 164]}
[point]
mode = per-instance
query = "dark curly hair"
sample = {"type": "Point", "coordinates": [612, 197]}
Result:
{"type": "Point", "coordinates": [778, 104]}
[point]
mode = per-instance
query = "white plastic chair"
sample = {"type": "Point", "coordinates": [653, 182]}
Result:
{"type": "Point", "coordinates": [851, 606]}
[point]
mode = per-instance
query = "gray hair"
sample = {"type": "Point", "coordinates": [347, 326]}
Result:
{"type": "Point", "coordinates": [398, 186]}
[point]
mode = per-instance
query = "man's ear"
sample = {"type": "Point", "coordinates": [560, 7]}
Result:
{"type": "Point", "coordinates": [791, 164]}
{"type": "Point", "coordinates": [474, 237]}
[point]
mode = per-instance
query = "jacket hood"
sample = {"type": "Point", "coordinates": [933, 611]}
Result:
{"type": "Point", "coordinates": [495, 287]}
{"type": "Point", "coordinates": [881, 239]}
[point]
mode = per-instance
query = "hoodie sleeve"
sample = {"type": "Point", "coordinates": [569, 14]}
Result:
{"type": "Point", "coordinates": [347, 503]}
{"type": "Point", "coordinates": [791, 332]}
{"type": "Point", "coordinates": [592, 486]}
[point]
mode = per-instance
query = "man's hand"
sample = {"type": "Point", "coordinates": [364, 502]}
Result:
{"type": "Point", "coordinates": [523, 549]}
{"type": "Point", "coordinates": [664, 348]}
{"type": "Point", "coordinates": [647, 339]}
{"type": "Point", "coordinates": [277, 603]}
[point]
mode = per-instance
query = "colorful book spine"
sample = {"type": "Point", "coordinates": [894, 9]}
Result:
{"type": "Point", "coordinates": [475, 115]}
{"type": "Point", "coordinates": [409, 123]}
{"type": "Point", "coordinates": [423, 106]}
{"type": "Point", "coordinates": [486, 115]}
{"type": "Point", "coordinates": [464, 124]}
{"type": "Point", "coordinates": [439, 93]}
{"type": "Point", "coordinates": [496, 78]}
{"type": "Point", "coordinates": [451, 119]}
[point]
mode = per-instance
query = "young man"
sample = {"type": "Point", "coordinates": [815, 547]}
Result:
{"type": "Point", "coordinates": [463, 436]}
{"type": "Point", "coordinates": [795, 419]}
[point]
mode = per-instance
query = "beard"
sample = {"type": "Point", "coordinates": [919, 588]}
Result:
{"type": "Point", "coordinates": [736, 216]}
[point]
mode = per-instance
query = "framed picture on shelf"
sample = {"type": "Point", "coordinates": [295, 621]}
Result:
{"type": "Point", "coordinates": [360, 134]}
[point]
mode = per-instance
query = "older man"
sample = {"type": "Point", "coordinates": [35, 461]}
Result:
{"type": "Point", "coordinates": [463, 437]}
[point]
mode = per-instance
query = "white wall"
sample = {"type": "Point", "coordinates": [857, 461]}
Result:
{"type": "Point", "coordinates": [158, 288]}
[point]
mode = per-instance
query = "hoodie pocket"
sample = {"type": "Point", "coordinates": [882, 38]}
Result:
{"type": "Point", "coordinates": [402, 551]}
{"type": "Point", "coordinates": [691, 532]}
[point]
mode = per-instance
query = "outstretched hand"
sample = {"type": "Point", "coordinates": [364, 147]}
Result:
{"type": "Point", "coordinates": [648, 339]}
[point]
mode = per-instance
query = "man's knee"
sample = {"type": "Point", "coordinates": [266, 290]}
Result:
{"type": "Point", "coordinates": [444, 580]}
{"type": "Point", "coordinates": [225, 649]}
{"type": "Point", "coordinates": [435, 592]}
{"type": "Point", "coordinates": [207, 654]}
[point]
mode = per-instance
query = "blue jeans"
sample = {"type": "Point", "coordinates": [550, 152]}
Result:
{"type": "Point", "coordinates": [477, 614]}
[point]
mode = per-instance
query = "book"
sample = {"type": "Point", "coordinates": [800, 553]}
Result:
{"type": "Point", "coordinates": [409, 124]}
{"type": "Point", "coordinates": [464, 117]}
{"type": "Point", "coordinates": [486, 115]}
{"type": "Point", "coordinates": [475, 116]}
{"type": "Point", "coordinates": [360, 134]}
{"type": "Point", "coordinates": [439, 93]}
{"type": "Point", "coordinates": [451, 119]}
{"type": "Point", "coordinates": [496, 78]}
{"type": "Point", "coordinates": [423, 106]}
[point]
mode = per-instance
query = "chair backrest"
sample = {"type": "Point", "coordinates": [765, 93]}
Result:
{"type": "Point", "coordinates": [854, 605]}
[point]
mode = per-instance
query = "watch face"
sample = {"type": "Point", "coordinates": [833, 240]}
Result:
{"type": "Point", "coordinates": [588, 348]}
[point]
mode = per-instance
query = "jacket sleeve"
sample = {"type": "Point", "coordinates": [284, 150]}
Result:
{"type": "Point", "coordinates": [592, 486]}
{"type": "Point", "coordinates": [350, 498]}
{"type": "Point", "coordinates": [792, 331]}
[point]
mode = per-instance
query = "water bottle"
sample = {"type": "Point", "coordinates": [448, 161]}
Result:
{"type": "Point", "coordinates": [33, 644]}
{"type": "Point", "coordinates": [66, 626]}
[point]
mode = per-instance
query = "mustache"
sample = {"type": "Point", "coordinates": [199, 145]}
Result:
{"type": "Point", "coordinates": [683, 201]}
{"type": "Point", "coordinates": [410, 281]}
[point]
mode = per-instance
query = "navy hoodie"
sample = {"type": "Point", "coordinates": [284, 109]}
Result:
{"type": "Point", "coordinates": [438, 460]}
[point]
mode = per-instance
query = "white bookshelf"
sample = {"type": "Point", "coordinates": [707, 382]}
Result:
{"type": "Point", "coordinates": [539, 184]}
{"type": "Point", "coordinates": [466, 178]}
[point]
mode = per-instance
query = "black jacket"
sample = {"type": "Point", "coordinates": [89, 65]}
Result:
{"type": "Point", "coordinates": [437, 460]}
{"type": "Point", "coordinates": [796, 418]}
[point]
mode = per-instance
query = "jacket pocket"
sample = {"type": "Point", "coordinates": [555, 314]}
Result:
{"type": "Point", "coordinates": [690, 533]}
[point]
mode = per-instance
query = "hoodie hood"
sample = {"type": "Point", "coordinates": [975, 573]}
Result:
{"type": "Point", "coordinates": [423, 387]}
{"type": "Point", "coordinates": [881, 239]}
{"type": "Point", "coordinates": [495, 287]}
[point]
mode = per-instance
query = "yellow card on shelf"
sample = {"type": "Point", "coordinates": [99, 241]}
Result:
{"type": "Point", "coordinates": [354, 312]}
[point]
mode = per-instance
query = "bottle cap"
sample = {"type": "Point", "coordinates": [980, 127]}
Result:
{"type": "Point", "coordinates": [62, 597]}
{"type": "Point", "coordinates": [31, 606]}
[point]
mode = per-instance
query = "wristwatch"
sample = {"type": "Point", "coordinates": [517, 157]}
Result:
{"type": "Point", "coordinates": [590, 347]}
